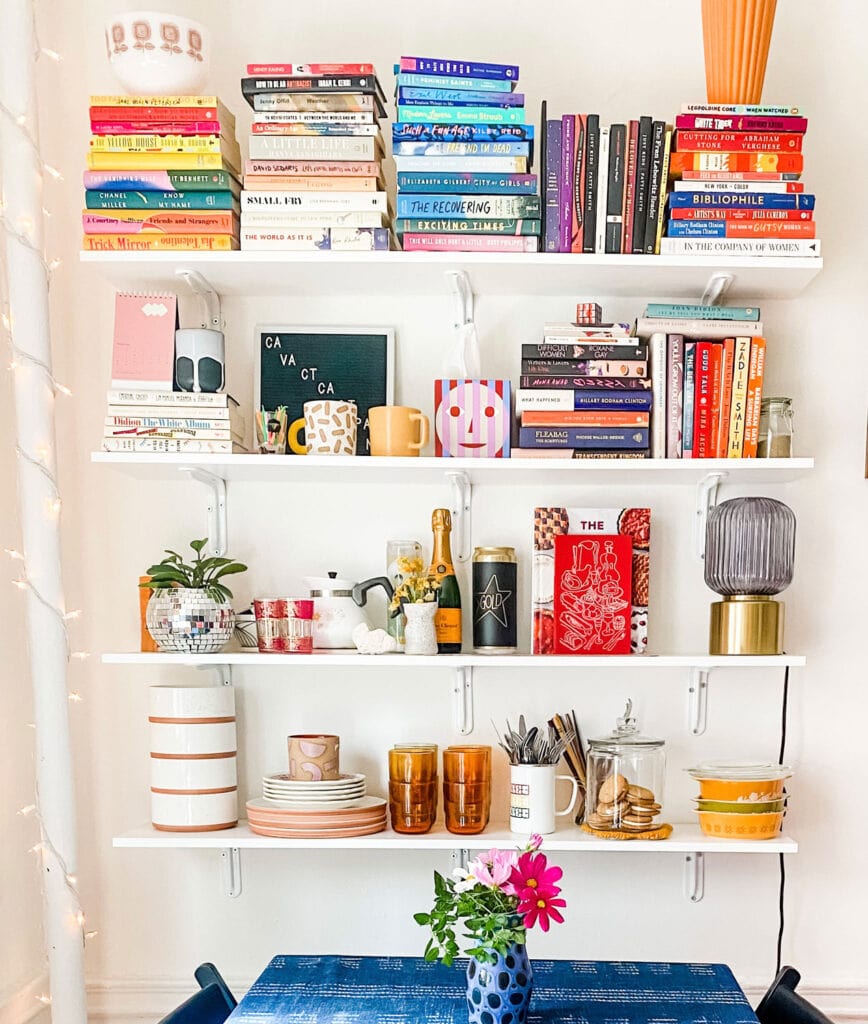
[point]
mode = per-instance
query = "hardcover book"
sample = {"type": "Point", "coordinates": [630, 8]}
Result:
{"type": "Point", "coordinates": [550, 524]}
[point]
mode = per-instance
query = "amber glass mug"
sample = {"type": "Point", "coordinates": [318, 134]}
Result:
{"type": "Point", "coordinates": [413, 787]}
{"type": "Point", "coordinates": [467, 788]}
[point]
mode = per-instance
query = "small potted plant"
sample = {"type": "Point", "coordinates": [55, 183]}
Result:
{"type": "Point", "coordinates": [416, 598]}
{"type": "Point", "coordinates": [497, 898]}
{"type": "Point", "coordinates": [189, 610]}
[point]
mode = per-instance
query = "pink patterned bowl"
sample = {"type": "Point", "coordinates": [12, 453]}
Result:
{"type": "Point", "coordinates": [155, 54]}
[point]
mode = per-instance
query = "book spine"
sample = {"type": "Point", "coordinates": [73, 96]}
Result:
{"type": "Point", "coordinates": [413, 242]}
{"type": "Point", "coordinates": [587, 400]}
{"type": "Point", "coordinates": [304, 70]}
{"type": "Point", "coordinates": [727, 359]}
{"type": "Point", "coordinates": [204, 222]}
{"type": "Point", "coordinates": [740, 380]}
{"type": "Point", "coordinates": [744, 109]}
{"type": "Point", "coordinates": [317, 128]}
{"type": "Point", "coordinates": [151, 399]}
{"type": "Point", "coordinates": [334, 239]}
{"type": "Point", "coordinates": [459, 206]}
{"type": "Point", "coordinates": [630, 187]}
{"type": "Point", "coordinates": [302, 201]}
{"type": "Point", "coordinates": [465, 148]}
{"type": "Point", "coordinates": [337, 118]}
{"type": "Point", "coordinates": [695, 213]}
{"type": "Point", "coordinates": [706, 329]}
{"type": "Point", "coordinates": [405, 78]}
{"type": "Point", "coordinates": [183, 432]}
{"type": "Point", "coordinates": [419, 131]}
{"type": "Point", "coordinates": [740, 247]}
{"type": "Point", "coordinates": [459, 68]}
{"type": "Point", "coordinates": [740, 123]}
{"type": "Point", "coordinates": [689, 392]}
{"type": "Point", "coordinates": [674, 394]}
{"type": "Point", "coordinates": [674, 310]}
{"type": "Point", "coordinates": [702, 400]}
{"type": "Point", "coordinates": [587, 350]}
{"type": "Point", "coordinates": [167, 445]}
{"type": "Point", "coordinates": [714, 400]}
{"type": "Point", "coordinates": [313, 219]}
{"type": "Point", "coordinates": [741, 229]}
{"type": "Point", "coordinates": [602, 191]}
{"type": "Point", "coordinates": [97, 200]}
{"type": "Point", "coordinates": [254, 85]}
{"type": "Point", "coordinates": [643, 170]}
{"type": "Point", "coordinates": [306, 102]}
{"type": "Point", "coordinates": [572, 382]}
{"type": "Point", "coordinates": [461, 115]}
{"type": "Point", "coordinates": [736, 200]}
{"type": "Point", "coordinates": [585, 367]}
{"type": "Point", "coordinates": [478, 165]}
{"type": "Point", "coordinates": [657, 346]}
{"type": "Point", "coordinates": [565, 178]}
{"type": "Point", "coordinates": [583, 437]}
{"type": "Point", "coordinates": [688, 160]}
{"type": "Point", "coordinates": [154, 161]}
{"type": "Point", "coordinates": [655, 185]}
{"type": "Point", "coordinates": [175, 128]}
{"type": "Point", "coordinates": [472, 226]}
{"type": "Point", "coordinates": [579, 453]}
{"type": "Point", "coordinates": [420, 96]}
{"type": "Point", "coordinates": [145, 144]}
{"type": "Point", "coordinates": [592, 160]}
{"type": "Point", "coordinates": [314, 183]}
{"type": "Point", "coordinates": [312, 147]}
{"type": "Point", "coordinates": [165, 243]}
{"type": "Point", "coordinates": [661, 199]}
{"type": "Point", "coordinates": [159, 115]}
{"type": "Point", "coordinates": [615, 187]}
{"type": "Point", "coordinates": [753, 402]}
{"type": "Point", "coordinates": [161, 181]}
{"type": "Point", "coordinates": [153, 416]}
{"type": "Point", "coordinates": [330, 168]}
{"type": "Point", "coordinates": [162, 102]}
{"type": "Point", "coordinates": [740, 142]}
{"type": "Point", "coordinates": [754, 178]}
{"type": "Point", "coordinates": [583, 418]}
{"type": "Point", "coordinates": [509, 184]}
{"type": "Point", "coordinates": [731, 184]}
{"type": "Point", "coordinates": [578, 184]}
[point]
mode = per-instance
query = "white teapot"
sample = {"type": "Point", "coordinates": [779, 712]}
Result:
{"type": "Point", "coordinates": [337, 608]}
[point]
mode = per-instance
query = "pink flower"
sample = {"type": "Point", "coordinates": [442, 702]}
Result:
{"type": "Point", "coordinates": [494, 869]}
{"type": "Point", "coordinates": [534, 842]}
{"type": "Point", "coordinates": [541, 908]}
{"type": "Point", "coordinates": [532, 875]}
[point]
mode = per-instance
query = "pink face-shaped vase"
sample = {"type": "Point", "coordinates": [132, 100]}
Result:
{"type": "Point", "coordinates": [472, 418]}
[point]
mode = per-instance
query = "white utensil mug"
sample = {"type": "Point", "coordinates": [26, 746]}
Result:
{"type": "Point", "coordinates": [532, 798]}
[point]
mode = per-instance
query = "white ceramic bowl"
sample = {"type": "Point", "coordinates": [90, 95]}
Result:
{"type": "Point", "coordinates": [193, 775]}
{"type": "Point", "coordinates": [191, 702]}
{"type": "Point", "coordinates": [156, 54]}
{"type": "Point", "coordinates": [190, 740]}
{"type": "Point", "coordinates": [187, 813]}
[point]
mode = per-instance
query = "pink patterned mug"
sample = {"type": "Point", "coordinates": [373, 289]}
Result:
{"type": "Point", "coordinates": [314, 757]}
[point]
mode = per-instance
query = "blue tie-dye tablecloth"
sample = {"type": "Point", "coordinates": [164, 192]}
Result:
{"type": "Point", "coordinates": [406, 990]}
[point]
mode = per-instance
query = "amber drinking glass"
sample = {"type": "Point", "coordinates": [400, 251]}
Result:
{"type": "Point", "coordinates": [467, 788]}
{"type": "Point", "coordinates": [413, 787]}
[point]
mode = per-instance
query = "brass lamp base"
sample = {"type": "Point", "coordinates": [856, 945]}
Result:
{"type": "Point", "coordinates": [746, 624]}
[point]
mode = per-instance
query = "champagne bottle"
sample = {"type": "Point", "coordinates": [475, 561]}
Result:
{"type": "Point", "coordinates": [447, 621]}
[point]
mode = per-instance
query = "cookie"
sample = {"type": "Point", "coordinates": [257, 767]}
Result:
{"type": "Point", "coordinates": [595, 821]}
{"type": "Point", "coordinates": [651, 809]}
{"type": "Point", "coordinates": [637, 828]}
{"type": "Point", "coordinates": [637, 793]}
{"type": "Point", "coordinates": [614, 787]}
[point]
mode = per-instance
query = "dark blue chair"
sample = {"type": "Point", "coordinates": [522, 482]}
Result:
{"type": "Point", "coordinates": [783, 1005]}
{"type": "Point", "coordinates": [212, 1004]}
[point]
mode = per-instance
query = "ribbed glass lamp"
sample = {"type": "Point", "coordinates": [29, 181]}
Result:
{"type": "Point", "coordinates": [749, 549]}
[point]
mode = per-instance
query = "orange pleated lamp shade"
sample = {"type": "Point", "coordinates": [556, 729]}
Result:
{"type": "Point", "coordinates": [737, 35]}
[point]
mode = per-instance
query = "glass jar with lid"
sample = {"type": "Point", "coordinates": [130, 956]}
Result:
{"type": "Point", "coordinates": [776, 429]}
{"type": "Point", "coordinates": [625, 776]}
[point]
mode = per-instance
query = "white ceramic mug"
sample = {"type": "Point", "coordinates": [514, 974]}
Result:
{"type": "Point", "coordinates": [532, 798]}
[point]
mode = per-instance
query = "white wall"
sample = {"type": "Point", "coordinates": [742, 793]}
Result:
{"type": "Point", "coordinates": [159, 914]}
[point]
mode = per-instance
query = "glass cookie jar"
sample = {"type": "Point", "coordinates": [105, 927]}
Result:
{"type": "Point", "coordinates": [775, 429]}
{"type": "Point", "coordinates": [625, 776]}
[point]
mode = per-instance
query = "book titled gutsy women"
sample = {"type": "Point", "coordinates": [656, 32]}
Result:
{"type": "Point", "coordinates": [463, 153]}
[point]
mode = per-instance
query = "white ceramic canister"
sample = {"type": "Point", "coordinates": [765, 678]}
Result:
{"type": "Point", "coordinates": [193, 775]}
{"type": "Point", "coordinates": [193, 812]}
{"type": "Point", "coordinates": [187, 739]}
{"type": "Point", "coordinates": [199, 703]}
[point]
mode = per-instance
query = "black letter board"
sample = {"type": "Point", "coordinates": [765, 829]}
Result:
{"type": "Point", "coordinates": [295, 365]}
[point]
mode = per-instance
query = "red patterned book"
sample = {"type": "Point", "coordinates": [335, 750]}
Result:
{"type": "Point", "coordinates": [593, 578]}
{"type": "Point", "coordinates": [714, 421]}
{"type": "Point", "coordinates": [727, 353]}
{"type": "Point", "coordinates": [740, 142]}
{"type": "Point", "coordinates": [738, 213]}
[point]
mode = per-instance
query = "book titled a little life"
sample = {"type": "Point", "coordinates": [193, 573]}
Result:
{"type": "Point", "coordinates": [143, 349]}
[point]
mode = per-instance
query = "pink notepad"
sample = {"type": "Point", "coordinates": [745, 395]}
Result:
{"type": "Point", "coordinates": [143, 350]}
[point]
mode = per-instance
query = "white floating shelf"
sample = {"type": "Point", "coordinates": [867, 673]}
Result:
{"type": "Point", "coordinates": [684, 839]}
{"type": "Point", "coordinates": [508, 472]}
{"type": "Point", "coordinates": [421, 273]}
{"type": "Point", "coordinates": [399, 662]}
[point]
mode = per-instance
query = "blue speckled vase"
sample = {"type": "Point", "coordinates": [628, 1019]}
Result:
{"type": "Point", "coordinates": [499, 993]}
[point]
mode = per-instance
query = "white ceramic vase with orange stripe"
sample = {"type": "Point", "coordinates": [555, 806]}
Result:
{"type": "Point", "coordinates": [737, 35]}
{"type": "Point", "coordinates": [194, 783]}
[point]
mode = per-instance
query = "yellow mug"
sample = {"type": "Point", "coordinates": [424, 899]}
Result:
{"type": "Point", "coordinates": [397, 430]}
{"type": "Point", "coordinates": [329, 429]}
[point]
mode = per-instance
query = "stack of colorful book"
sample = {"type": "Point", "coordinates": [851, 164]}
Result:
{"type": "Point", "coordinates": [163, 173]}
{"type": "Point", "coordinates": [172, 421]}
{"type": "Point", "coordinates": [314, 178]}
{"type": "Point", "coordinates": [605, 185]}
{"type": "Point", "coordinates": [737, 190]}
{"type": "Point", "coordinates": [584, 392]}
{"type": "Point", "coordinates": [707, 367]}
{"type": "Point", "coordinates": [463, 152]}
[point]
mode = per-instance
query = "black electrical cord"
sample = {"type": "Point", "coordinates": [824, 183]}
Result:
{"type": "Point", "coordinates": [783, 870]}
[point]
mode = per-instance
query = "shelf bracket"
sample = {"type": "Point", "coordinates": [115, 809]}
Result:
{"type": "Point", "coordinates": [223, 673]}
{"type": "Point", "coordinates": [460, 859]}
{"type": "Point", "coordinates": [706, 499]}
{"type": "Point", "coordinates": [697, 700]}
{"type": "Point", "coordinates": [461, 505]}
{"type": "Point", "coordinates": [197, 284]}
{"type": "Point", "coordinates": [694, 877]}
{"type": "Point", "coordinates": [462, 699]}
{"type": "Point", "coordinates": [718, 285]}
{"type": "Point", "coordinates": [217, 516]}
{"type": "Point", "coordinates": [230, 869]}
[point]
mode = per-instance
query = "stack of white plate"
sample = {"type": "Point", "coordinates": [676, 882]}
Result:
{"type": "Point", "coordinates": [345, 791]}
